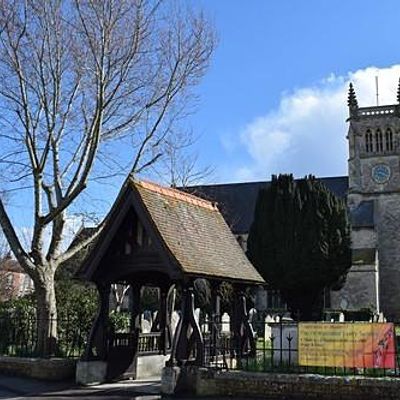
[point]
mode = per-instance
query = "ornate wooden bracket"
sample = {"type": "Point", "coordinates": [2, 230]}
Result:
{"type": "Point", "coordinates": [188, 339]}
{"type": "Point", "coordinates": [243, 334]}
{"type": "Point", "coordinates": [165, 318]}
{"type": "Point", "coordinates": [215, 345]}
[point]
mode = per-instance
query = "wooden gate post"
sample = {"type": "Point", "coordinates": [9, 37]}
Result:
{"type": "Point", "coordinates": [98, 333]}
{"type": "Point", "coordinates": [243, 335]}
{"type": "Point", "coordinates": [164, 317]}
{"type": "Point", "coordinates": [215, 319]}
{"type": "Point", "coordinates": [135, 307]}
{"type": "Point", "coordinates": [184, 344]}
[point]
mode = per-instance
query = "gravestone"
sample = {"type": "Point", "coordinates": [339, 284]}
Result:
{"type": "Point", "coordinates": [225, 322]}
{"type": "Point", "coordinates": [205, 325]}
{"type": "Point", "coordinates": [145, 326]}
{"type": "Point", "coordinates": [267, 330]}
{"type": "Point", "coordinates": [284, 344]}
{"type": "Point", "coordinates": [381, 317]}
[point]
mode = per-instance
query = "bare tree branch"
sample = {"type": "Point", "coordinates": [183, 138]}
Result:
{"type": "Point", "coordinates": [76, 77]}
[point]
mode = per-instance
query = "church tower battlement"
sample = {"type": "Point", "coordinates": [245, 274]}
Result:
{"type": "Point", "coordinates": [374, 147]}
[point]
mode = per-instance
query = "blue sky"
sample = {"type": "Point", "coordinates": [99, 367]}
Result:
{"type": "Point", "coordinates": [274, 98]}
{"type": "Point", "coordinates": [278, 59]}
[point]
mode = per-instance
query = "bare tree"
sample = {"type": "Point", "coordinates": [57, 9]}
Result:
{"type": "Point", "coordinates": [180, 162]}
{"type": "Point", "coordinates": [75, 77]}
{"type": "Point", "coordinates": [119, 293]}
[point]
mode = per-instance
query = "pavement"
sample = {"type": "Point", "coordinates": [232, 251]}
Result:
{"type": "Point", "coordinates": [14, 388]}
{"type": "Point", "coordinates": [22, 388]}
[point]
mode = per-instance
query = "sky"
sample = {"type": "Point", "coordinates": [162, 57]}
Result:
{"type": "Point", "coordinates": [274, 98]}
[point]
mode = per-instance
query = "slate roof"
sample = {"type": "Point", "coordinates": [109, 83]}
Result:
{"type": "Point", "coordinates": [195, 233]}
{"type": "Point", "coordinates": [237, 201]}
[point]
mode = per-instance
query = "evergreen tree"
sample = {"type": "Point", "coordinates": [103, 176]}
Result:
{"type": "Point", "coordinates": [300, 242]}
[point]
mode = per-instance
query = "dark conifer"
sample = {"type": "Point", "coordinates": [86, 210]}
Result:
{"type": "Point", "coordinates": [300, 242]}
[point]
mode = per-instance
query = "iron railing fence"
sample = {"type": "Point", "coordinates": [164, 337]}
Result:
{"type": "Point", "coordinates": [276, 351]}
{"type": "Point", "coordinates": [19, 336]}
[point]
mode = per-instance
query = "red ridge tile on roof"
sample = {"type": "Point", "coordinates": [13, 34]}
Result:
{"type": "Point", "coordinates": [176, 194]}
{"type": "Point", "coordinates": [199, 240]}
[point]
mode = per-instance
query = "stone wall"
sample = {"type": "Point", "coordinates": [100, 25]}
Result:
{"type": "Point", "coordinates": [150, 366]}
{"type": "Point", "coordinates": [54, 369]}
{"type": "Point", "coordinates": [203, 382]}
{"type": "Point", "coordinates": [364, 238]}
{"type": "Point", "coordinates": [359, 291]}
{"type": "Point", "coordinates": [388, 227]}
{"type": "Point", "coordinates": [386, 237]}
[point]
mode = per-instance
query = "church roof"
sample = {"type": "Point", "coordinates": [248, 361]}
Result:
{"type": "Point", "coordinates": [237, 201]}
{"type": "Point", "coordinates": [189, 232]}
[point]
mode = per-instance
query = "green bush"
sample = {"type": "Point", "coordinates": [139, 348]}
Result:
{"type": "Point", "coordinates": [19, 308]}
{"type": "Point", "coordinates": [119, 321]}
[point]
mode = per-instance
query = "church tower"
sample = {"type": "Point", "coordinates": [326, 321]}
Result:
{"type": "Point", "coordinates": [373, 147]}
{"type": "Point", "coordinates": [374, 205]}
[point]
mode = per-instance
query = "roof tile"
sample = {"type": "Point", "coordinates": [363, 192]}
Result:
{"type": "Point", "coordinates": [196, 234]}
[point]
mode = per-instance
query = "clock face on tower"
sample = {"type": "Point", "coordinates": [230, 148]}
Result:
{"type": "Point", "coordinates": [381, 173]}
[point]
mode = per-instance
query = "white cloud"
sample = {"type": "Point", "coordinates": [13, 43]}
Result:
{"type": "Point", "coordinates": [307, 132]}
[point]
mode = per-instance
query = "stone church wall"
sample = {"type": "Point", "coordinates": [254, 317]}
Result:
{"type": "Point", "coordinates": [364, 238]}
{"type": "Point", "coordinates": [385, 237]}
{"type": "Point", "coordinates": [359, 291]}
{"type": "Point", "coordinates": [388, 228]}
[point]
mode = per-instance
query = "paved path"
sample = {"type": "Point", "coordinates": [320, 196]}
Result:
{"type": "Point", "coordinates": [6, 394]}
{"type": "Point", "coordinates": [20, 388]}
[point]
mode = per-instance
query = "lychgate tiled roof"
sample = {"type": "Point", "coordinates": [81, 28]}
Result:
{"type": "Point", "coordinates": [195, 233]}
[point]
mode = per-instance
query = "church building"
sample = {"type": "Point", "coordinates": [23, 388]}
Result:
{"type": "Point", "coordinates": [372, 191]}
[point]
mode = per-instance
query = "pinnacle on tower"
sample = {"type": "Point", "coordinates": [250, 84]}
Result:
{"type": "Point", "coordinates": [352, 99]}
{"type": "Point", "coordinates": [398, 92]}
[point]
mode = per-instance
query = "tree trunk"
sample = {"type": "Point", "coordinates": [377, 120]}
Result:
{"type": "Point", "coordinates": [46, 316]}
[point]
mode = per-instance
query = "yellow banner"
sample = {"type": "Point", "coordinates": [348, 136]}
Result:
{"type": "Point", "coordinates": [354, 345]}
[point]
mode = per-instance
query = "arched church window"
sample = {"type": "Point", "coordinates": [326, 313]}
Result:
{"type": "Point", "coordinates": [378, 140]}
{"type": "Point", "coordinates": [368, 141]}
{"type": "Point", "coordinates": [389, 139]}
